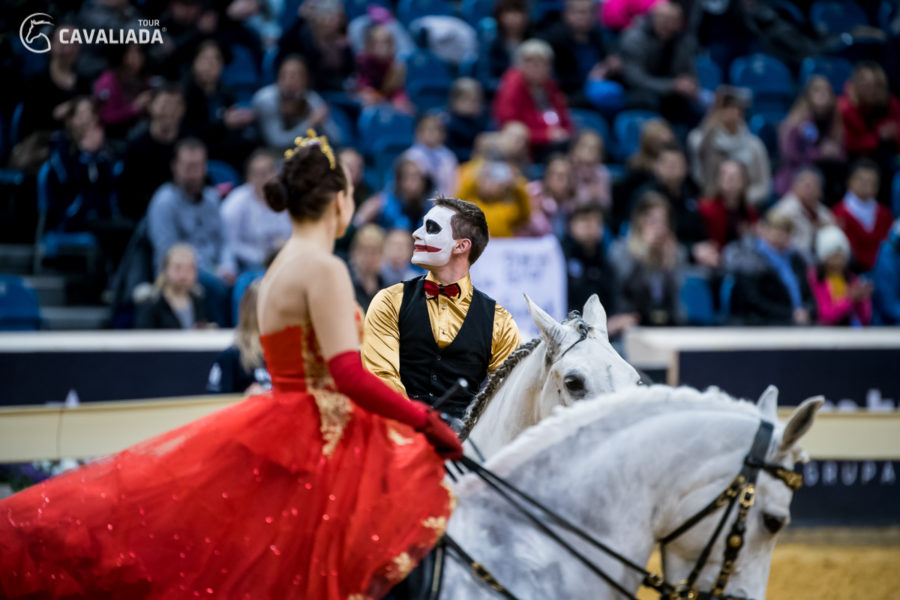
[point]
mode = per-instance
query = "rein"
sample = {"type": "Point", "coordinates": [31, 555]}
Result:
{"type": "Point", "coordinates": [741, 491]}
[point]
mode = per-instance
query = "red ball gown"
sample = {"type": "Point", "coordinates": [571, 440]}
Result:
{"type": "Point", "coordinates": [297, 493]}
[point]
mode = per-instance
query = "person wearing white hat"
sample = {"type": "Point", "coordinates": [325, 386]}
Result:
{"type": "Point", "coordinates": [842, 298]}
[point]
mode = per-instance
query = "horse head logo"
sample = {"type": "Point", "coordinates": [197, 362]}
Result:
{"type": "Point", "coordinates": [32, 30]}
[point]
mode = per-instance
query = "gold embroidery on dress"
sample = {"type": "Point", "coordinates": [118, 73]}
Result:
{"type": "Point", "coordinates": [438, 524]}
{"type": "Point", "coordinates": [398, 439]}
{"type": "Point", "coordinates": [451, 497]}
{"type": "Point", "coordinates": [334, 411]}
{"type": "Point", "coordinates": [403, 565]}
{"type": "Point", "coordinates": [357, 597]}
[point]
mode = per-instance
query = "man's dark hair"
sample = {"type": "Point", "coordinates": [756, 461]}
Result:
{"type": "Point", "coordinates": [469, 223]}
{"type": "Point", "coordinates": [189, 143]}
{"type": "Point", "coordinates": [167, 87]}
{"type": "Point", "coordinates": [588, 209]}
{"type": "Point", "coordinates": [864, 164]}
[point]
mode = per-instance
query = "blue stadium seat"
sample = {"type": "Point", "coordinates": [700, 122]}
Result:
{"type": "Point", "coordinates": [15, 124]}
{"type": "Point", "coordinates": [240, 286]}
{"type": "Point", "coordinates": [242, 74]}
{"type": "Point", "coordinates": [382, 126]}
{"type": "Point", "coordinates": [627, 128]}
{"type": "Point", "coordinates": [886, 13]}
{"type": "Point", "coordinates": [895, 195]}
{"type": "Point", "coordinates": [428, 80]}
{"type": "Point", "coordinates": [697, 301]}
{"type": "Point", "coordinates": [786, 9]}
{"type": "Point", "coordinates": [220, 172]}
{"type": "Point", "coordinates": [542, 9]}
{"type": "Point", "coordinates": [767, 77]}
{"type": "Point", "coordinates": [473, 11]}
{"type": "Point", "coordinates": [19, 308]}
{"type": "Point", "coordinates": [834, 17]}
{"type": "Point", "coordinates": [410, 10]}
{"type": "Point", "coordinates": [765, 126]}
{"type": "Point", "coordinates": [836, 70]}
{"type": "Point", "coordinates": [725, 291]}
{"type": "Point", "coordinates": [52, 244]}
{"type": "Point", "coordinates": [588, 119]}
{"type": "Point", "coordinates": [343, 122]}
{"type": "Point", "coordinates": [708, 72]}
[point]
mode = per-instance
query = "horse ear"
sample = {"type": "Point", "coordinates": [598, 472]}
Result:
{"type": "Point", "coordinates": [594, 314]}
{"type": "Point", "coordinates": [768, 403]}
{"type": "Point", "coordinates": [551, 330]}
{"type": "Point", "coordinates": [800, 421]}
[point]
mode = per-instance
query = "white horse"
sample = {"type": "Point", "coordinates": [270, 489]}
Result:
{"type": "Point", "coordinates": [629, 470]}
{"type": "Point", "coordinates": [570, 361]}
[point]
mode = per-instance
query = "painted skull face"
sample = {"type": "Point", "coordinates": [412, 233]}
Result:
{"type": "Point", "coordinates": [434, 239]}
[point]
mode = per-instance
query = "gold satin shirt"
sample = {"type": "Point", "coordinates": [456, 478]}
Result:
{"type": "Point", "coordinates": [381, 340]}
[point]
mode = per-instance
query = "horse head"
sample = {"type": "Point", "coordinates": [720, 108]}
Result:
{"type": "Point", "coordinates": [579, 360]}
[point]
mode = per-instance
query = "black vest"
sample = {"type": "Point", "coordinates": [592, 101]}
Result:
{"type": "Point", "coordinates": [426, 370]}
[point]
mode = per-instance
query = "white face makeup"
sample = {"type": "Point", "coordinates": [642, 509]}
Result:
{"type": "Point", "coordinates": [434, 239]}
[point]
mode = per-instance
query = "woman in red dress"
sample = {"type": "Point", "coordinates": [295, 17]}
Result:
{"type": "Point", "coordinates": [324, 488]}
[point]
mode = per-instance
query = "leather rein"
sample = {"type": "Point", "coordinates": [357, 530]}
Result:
{"type": "Point", "coordinates": [741, 492]}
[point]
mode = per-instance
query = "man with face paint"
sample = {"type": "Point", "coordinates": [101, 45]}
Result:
{"type": "Point", "coordinates": [423, 334]}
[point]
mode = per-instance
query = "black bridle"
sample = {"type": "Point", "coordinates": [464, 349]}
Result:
{"type": "Point", "coordinates": [741, 491]}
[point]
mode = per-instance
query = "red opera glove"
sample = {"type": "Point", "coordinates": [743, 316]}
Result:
{"type": "Point", "coordinates": [445, 441]}
{"type": "Point", "coordinates": [372, 394]}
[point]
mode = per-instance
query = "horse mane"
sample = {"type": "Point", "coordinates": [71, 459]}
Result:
{"type": "Point", "coordinates": [495, 380]}
{"type": "Point", "coordinates": [498, 377]}
{"type": "Point", "coordinates": [614, 412]}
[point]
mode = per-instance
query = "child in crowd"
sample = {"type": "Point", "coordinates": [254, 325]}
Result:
{"type": "Point", "coordinates": [380, 77]}
{"type": "Point", "coordinates": [842, 298]}
{"type": "Point", "coordinates": [590, 175]}
{"type": "Point", "coordinates": [432, 156]}
{"type": "Point", "coordinates": [465, 117]}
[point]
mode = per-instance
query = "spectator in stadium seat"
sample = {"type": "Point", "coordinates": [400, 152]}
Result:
{"type": "Point", "coordinates": [579, 50]}
{"type": "Point", "coordinates": [671, 182]}
{"type": "Point", "coordinates": [886, 276]}
{"type": "Point", "coordinates": [499, 192]}
{"type": "Point", "coordinates": [380, 75]}
{"type": "Point", "coordinates": [529, 95]}
{"type": "Point", "coordinates": [147, 163]}
{"type": "Point", "coordinates": [552, 199]}
{"type": "Point", "coordinates": [321, 39]}
{"type": "Point", "coordinates": [811, 134]}
{"type": "Point", "coordinates": [590, 176]}
{"type": "Point", "coordinates": [658, 65]}
{"type": "Point", "coordinates": [618, 15]}
{"type": "Point", "coordinates": [588, 269]}
{"type": "Point", "coordinates": [211, 113]}
{"type": "Point", "coordinates": [355, 165]}
{"type": "Point", "coordinates": [863, 219]}
{"type": "Point", "coordinates": [649, 263]}
{"type": "Point", "coordinates": [403, 201]}
{"type": "Point", "coordinates": [106, 15]}
{"type": "Point", "coordinates": [185, 210]}
{"type": "Point", "coordinates": [465, 117]}
{"type": "Point", "coordinates": [121, 91]}
{"type": "Point", "coordinates": [432, 156]}
{"type": "Point", "coordinates": [252, 229]}
{"type": "Point", "coordinates": [50, 89]}
{"type": "Point", "coordinates": [175, 301]}
{"type": "Point", "coordinates": [842, 298]}
{"type": "Point", "coordinates": [727, 214]}
{"type": "Point", "coordinates": [803, 206]}
{"type": "Point", "coordinates": [240, 368]}
{"type": "Point", "coordinates": [398, 251]}
{"type": "Point", "coordinates": [656, 134]}
{"type": "Point", "coordinates": [513, 28]}
{"type": "Point", "coordinates": [286, 109]}
{"type": "Point", "coordinates": [871, 117]}
{"type": "Point", "coordinates": [771, 285]}
{"type": "Point", "coordinates": [724, 135]}
{"type": "Point", "coordinates": [366, 254]}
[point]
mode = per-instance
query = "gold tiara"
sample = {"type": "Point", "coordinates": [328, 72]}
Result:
{"type": "Point", "coordinates": [313, 140]}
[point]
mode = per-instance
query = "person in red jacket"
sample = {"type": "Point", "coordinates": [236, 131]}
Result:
{"type": "Point", "coordinates": [528, 94]}
{"type": "Point", "coordinates": [865, 222]}
{"type": "Point", "coordinates": [870, 116]}
{"type": "Point", "coordinates": [726, 212]}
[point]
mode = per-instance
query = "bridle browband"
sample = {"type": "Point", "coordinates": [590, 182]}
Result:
{"type": "Point", "coordinates": [741, 491]}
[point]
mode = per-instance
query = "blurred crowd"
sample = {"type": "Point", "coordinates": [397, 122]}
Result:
{"type": "Point", "coordinates": [699, 162]}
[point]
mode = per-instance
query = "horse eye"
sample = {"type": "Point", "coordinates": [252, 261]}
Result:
{"type": "Point", "coordinates": [574, 384]}
{"type": "Point", "coordinates": [773, 523]}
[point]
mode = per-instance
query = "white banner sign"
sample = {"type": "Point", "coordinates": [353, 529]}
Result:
{"type": "Point", "coordinates": [513, 267]}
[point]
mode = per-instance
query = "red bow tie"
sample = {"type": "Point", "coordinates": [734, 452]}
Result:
{"type": "Point", "coordinates": [433, 290]}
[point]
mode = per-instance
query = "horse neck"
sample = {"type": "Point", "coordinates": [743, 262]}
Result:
{"type": "Point", "coordinates": [626, 487]}
{"type": "Point", "coordinates": [513, 408]}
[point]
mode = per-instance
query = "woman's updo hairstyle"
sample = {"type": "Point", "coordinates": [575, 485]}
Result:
{"type": "Point", "coordinates": [308, 181]}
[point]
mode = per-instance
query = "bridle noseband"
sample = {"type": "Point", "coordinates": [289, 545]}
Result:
{"type": "Point", "coordinates": [741, 491]}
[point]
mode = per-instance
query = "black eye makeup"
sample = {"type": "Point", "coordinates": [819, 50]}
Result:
{"type": "Point", "coordinates": [432, 227]}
